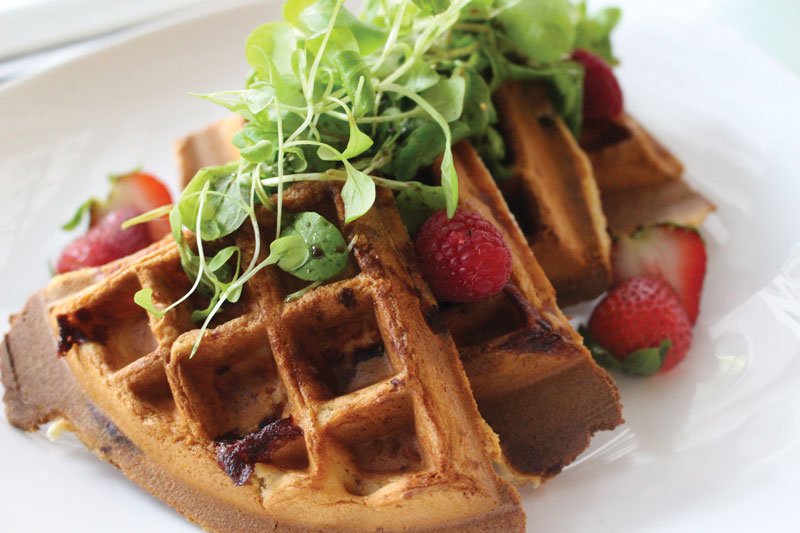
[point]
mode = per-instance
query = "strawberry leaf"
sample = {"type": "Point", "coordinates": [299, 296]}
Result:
{"type": "Point", "coordinates": [79, 214]}
{"type": "Point", "coordinates": [601, 356]}
{"type": "Point", "coordinates": [644, 362]}
{"type": "Point", "coordinates": [647, 361]}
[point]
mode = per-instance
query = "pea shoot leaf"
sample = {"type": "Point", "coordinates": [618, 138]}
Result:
{"type": "Point", "coordinates": [290, 252]}
{"type": "Point", "coordinates": [420, 76]}
{"type": "Point", "coordinates": [222, 257]}
{"type": "Point", "coordinates": [327, 251]}
{"type": "Point", "coordinates": [312, 17]}
{"type": "Point", "coordinates": [541, 30]}
{"type": "Point", "coordinates": [432, 7]}
{"type": "Point", "coordinates": [144, 299]}
{"type": "Point", "coordinates": [255, 144]}
{"type": "Point", "coordinates": [358, 193]}
{"type": "Point", "coordinates": [269, 49]}
{"type": "Point", "coordinates": [447, 97]}
{"type": "Point", "coordinates": [593, 32]}
{"type": "Point", "coordinates": [416, 204]}
{"type": "Point", "coordinates": [223, 208]}
{"type": "Point", "coordinates": [356, 79]}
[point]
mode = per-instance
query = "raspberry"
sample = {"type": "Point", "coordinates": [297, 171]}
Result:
{"type": "Point", "coordinates": [602, 97]}
{"type": "Point", "coordinates": [463, 259]}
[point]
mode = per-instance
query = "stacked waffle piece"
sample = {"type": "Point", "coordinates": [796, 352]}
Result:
{"type": "Point", "coordinates": [524, 361]}
{"type": "Point", "coordinates": [640, 181]}
{"type": "Point", "coordinates": [348, 408]}
{"type": "Point", "coordinates": [351, 400]}
{"type": "Point", "coordinates": [568, 194]}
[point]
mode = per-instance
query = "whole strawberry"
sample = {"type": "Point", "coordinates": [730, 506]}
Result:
{"type": "Point", "coordinates": [602, 96]}
{"type": "Point", "coordinates": [463, 259]}
{"type": "Point", "coordinates": [641, 325]}
{"type": "Point", "coordinates": [105, 242]}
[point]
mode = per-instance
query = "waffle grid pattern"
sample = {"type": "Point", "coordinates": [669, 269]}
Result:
{"type": "Point", "coordinates": [342, 360]}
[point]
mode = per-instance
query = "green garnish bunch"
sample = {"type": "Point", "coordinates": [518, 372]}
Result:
{"type": "Point", "coordinates": [367, 100]}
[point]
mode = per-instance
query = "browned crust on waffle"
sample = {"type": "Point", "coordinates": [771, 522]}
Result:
{"type": "Point", "coordinates": [108, 395]}
{"type": "Point", "coordinates": [553, 194]}
{"type": "Point", "coordinates": [40, 387]}
{"type": "Point", "coordinates": [640, 180]}
{"type": "Point", "coordinates": [537, 387]}
{"type": "Point", "coordinates": [624, 154]}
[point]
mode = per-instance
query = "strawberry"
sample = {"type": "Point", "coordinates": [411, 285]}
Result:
{"type": "Point", "coordinates": [141, 191]}
{"type": "Point", "coordinates": [676, 253]}
{"type": "Point", "coordinates": [105, 242]}
{"type": "Point", "coordinates": [640, 326]}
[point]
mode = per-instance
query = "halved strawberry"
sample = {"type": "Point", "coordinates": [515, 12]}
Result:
{"type": "Point", "coordinates": [676, 253]}
{"type": "Point", "coordinates": [141, 191]}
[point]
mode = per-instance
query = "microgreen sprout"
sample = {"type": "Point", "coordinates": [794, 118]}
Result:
{"type": "Point", "coordinates": [365, 101]}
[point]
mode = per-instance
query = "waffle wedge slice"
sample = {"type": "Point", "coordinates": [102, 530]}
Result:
{"type": "Point", "coordinates": [559, 396]}
{"type": "Point", "coordinates": [624, 154]}
{"type": "Point", "coordinates": [535, 383]}
{"type": "Point", "coordinates": [344, 410]}
{"type": "Point", "coordinates": [640, 180]}
{"type": "Point", "coordinates": [553, 194]}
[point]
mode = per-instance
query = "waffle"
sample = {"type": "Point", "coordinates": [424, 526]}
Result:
{"type": "Point", "coordinates": [355, 411]}
{"type": "Point", "coordinates": [535, 383]}
{"type": "Point", "coordinates": [624, 154]}
{"type": "Point", "coordinates": [640, 180]}
{"type": "Point", "coordinates": [553, 194]}
{"type": "Point", "coordinates": [208, 147]}
{"type": "Point", "coordinates": [523, 337]}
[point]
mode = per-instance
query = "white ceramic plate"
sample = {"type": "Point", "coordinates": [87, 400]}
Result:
{"type": "Point", "coordinates": [711, 446]}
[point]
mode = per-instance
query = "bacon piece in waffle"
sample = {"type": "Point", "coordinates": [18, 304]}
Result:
{"type": "Point", "coordinates": [553, 194]}
{"type": "Point", "coordinates": [640, 180]}
{"type": "Point", "coordinates": [346, 409]}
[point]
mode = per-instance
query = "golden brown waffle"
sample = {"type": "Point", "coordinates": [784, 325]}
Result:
{"type": "Point", "coordinates": [553, 194]}
{"type": "Point", "coordinates": [367, 416]}
{"type": "Point", "coordinates": [519, 336]}
{"type": "Point", "coordinates": [624, 154]}
{"type": "Point", "coordinates": [208, 147]}
{"type": "Point", "coordinates": [535, 383]}
{"type": "Point", "coordinates": [640, 180]}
